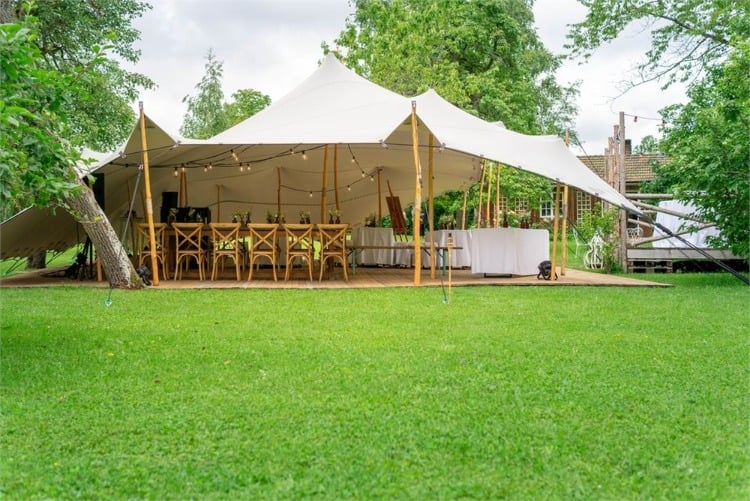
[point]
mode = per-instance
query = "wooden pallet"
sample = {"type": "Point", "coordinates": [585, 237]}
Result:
{"type": "Point", "coordinates": [650, 266]}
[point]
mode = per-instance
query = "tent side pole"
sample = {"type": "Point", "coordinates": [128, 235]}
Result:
{"type": "Point", "coordinates": [481, 189]}
{"type": "Point", "coordinates": [463, 214]}
{"type": "Point", "coordinates": [564, 263]}
{"type": "Point", "coordinates": [497, 195]}
{"type": "Point", "coordinates": [431, 204]}
{"type": "Point", "coordinates": [336, 174]}
{"type": "Point", "coordinates": [278, 192]}
{"type": "Point", "coordinates": [489, 196]}
{"type": "Point", "coordinates": [149, 204]}
{"type": "Point", "coordinates": [417, 212]}
{"type": "Point", "coordinates": [380, 199]}
{"type": "Point", "coordinates": [555, 225]}
{"type": "Point", "coordinates": [324, 184]}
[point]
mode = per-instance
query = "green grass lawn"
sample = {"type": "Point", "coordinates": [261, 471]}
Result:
{"type": "Point", "coordinates": [517, 392]}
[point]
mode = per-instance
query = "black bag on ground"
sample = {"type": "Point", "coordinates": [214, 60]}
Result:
{"type": "Point", "coordinates": [545, 270]}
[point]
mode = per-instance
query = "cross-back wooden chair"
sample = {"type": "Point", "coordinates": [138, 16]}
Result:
{"type": "Point", "coordinates": [143, 240]}
{"type": "Point", "coordinates": [226, 245]}
{"type": "Point", "coordinates": [189, 245]}
{"type": "Point", "coordinates": [299, 244]}
{"type": "Point", "coordinates": [263, 244]}
{"type": "Point", "coordinates": [333, 246]}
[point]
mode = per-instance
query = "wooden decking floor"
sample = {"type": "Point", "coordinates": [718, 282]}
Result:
{"type": "Point", "coordinates": [364, 277]}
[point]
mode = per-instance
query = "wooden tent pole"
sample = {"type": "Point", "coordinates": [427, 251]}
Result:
{"type": "Point", "coordinates": [555, 225]}
{"type": "Point", "coordinates": [497, 195]}
{"type": "Point", "coordinates": [336, 174]}
{"type": "Point", "coordinates": [380, 199]}
{"type": "Point", "coordinates": [431, 204]}
{"type": "Point", "coordinates": [324, 183]}
{"type": "Point", "coordinates": [218, 202]}
{"type": "Point", "coordinates": [564, 263]}
{"type": "Point", "coordinates": [278, 192]}
{"type": "Point", "coordinates": [149, 204]}
{"type": "Point", "coordinates": [463, 214]}
{"type": "Point", "coordinates": [481, 189]}
{"type": "Point", "coordinates": [489, 196]}
{"type": "Point", "coordinates": [417, 212]}
{"type": "Point", "coordinates": [183, 195]}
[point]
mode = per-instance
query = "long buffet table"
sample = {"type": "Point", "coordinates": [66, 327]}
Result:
{"type": "Point", "coordinates": [508, 251]}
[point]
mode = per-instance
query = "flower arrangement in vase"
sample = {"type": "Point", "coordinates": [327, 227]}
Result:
{"type": "Point", "coordinates": [334, 216]}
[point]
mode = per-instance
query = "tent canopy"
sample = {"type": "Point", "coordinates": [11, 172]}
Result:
{"type": "Point", "coordinates": [274, 161]}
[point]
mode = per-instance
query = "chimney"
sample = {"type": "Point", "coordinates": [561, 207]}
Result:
{"type": "Point", "coordinates": [628, 147]}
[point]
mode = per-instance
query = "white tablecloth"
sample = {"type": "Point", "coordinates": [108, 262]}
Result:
{"type": "Point", "coordinates": [364, 236]}
{"type": "Point", "coordinates": [512, 251]}
{"type": "Point", "coordinates": [460, 258]}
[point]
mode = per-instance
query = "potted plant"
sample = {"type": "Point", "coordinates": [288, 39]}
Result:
{"type": "Point", "coordinates": [304, 217]}
{"type": "Point", "coordinates": [172, 217]}
{"type": "Point", "coordinates": [247, 216]}
{"type": "Point", "coordinates": [237, 217]}
{"type": "Point", "coordinates": [334, 216]}
{"type": "Point", "coordinates": [269, 217]}
{"type": "Point", "coordinates": [445, 222]}
{"type": "Point", "coordinates": [371, 220]}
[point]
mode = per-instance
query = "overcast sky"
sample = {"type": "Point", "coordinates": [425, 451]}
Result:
{"type": "Point", "coordinates": [272, 45]}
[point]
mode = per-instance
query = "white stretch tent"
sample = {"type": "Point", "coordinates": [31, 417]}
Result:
{"type": "Point", "coordinates": [277, 157]}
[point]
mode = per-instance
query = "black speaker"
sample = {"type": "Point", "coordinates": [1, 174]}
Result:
{"type": "Point", "coordinates": [168, 201]}
{"type": "Point", "coordinates": [98, 190]}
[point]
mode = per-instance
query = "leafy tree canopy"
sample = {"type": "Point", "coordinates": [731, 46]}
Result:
{"type": "Point", "coordinates": [208, 114]}
{"type": "Point", "coordinates": [687, 36]}
{"type": "Point", "coordinates": [707, 141]}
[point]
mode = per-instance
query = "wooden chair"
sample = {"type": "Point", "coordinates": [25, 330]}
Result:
{"type": "Point", "coordinates": [299, 244]}
{"type": "Point", "coordinates": [189, 245]}
{"type": "Point", "coordinates": [263, 243]}
{"type": "Point", "coordinates": [143, 240]}
{"type": "Point", "coordinates": [226, 245]}
{"type": "Point", "coordinates": [333, 246]}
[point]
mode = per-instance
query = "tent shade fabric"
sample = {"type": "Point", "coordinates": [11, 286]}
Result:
{"type": "Point", "coordinates": [279, 153]}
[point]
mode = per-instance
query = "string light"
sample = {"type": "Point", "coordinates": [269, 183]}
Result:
{"type": "Point", "coordinates": [348, 187]}
{"type": "Point", "coordinates": [304, 155]}
{"type": "Point", "coordinates": [234, 156]}
{"type": "Point", "coordinates": [310, 194]}
{"type": "Point", "coordinates": [354, 160]}
{"type": "Point", "coordinates": [372, 178]}
{"type": "Point", "coordinates": [205, 168]}
{"type": "Point", "coordinates": [210, 165]}
{"type": "Point", "coordinates": [242, 168]}
{"type": "Point", "coordinates": [175, 172]}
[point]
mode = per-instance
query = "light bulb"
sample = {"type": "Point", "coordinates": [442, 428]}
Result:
{"type": "Point", "coordinates": [354, 160]}
{"type": "Point", "coordinates": [304, 156]}
{"type": "Point", "coordinates": [242, 168]}
{"type": "Point", "coordinates": [205, 168]}
{"type": "Point", "coordinates": [175, 172]}
{"type": "Point", "coordinates": [210, 165]}
{"type": "Point", "coordinates": [311, 194]}
{"type": "Point", "coordinates": [372, 178]}
{"type": "Point", "coordinates": [348, 187]}
{"type": "Point", "coordinates": [234, 156]}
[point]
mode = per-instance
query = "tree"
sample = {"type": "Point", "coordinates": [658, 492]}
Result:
{"type": "Point", "coordinates": [60, 89]}
{"type": "Point", "coordinates": [707, 142]}
{"type": "Point", "coordinates": [687, 36]}
{"type": "Point", "coordinates": [208, 114]}
{"type": "Point", "coordinates": [649, 144]}
{"type": "Point", "coordinates": [705, 44]}
{"type": "Point", "coordinates": [485, 57]}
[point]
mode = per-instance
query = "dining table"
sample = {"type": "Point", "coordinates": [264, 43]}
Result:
{"type": "Point", "coordinates": [369, 239]}
{"type": "Point", "coordinates": [508, 251]}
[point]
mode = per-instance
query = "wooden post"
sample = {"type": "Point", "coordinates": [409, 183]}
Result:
{"type": "Point", "coordinates": [431, 205]}
{"type": "Point", "coordinates": [463, 214]}
{"type": "Point", "coordinates": [489, 194]}
{"type": "Point", "coordinates": [278, 191]}
{"type": "Point", "coordinates": [149, 204]}
{"type": "Point", "coordinates": [554, 231]}
{"type": "Point", "coordinates": [621, 188]}
{"type": "Point", "coordinates": [336, 174]}
{"type": "Point", "coordinates": [324, 184]}
{"type": "Point", "coordinates": [417, 213]}
{"type": "Point", "coordinates": [182, 200]}
{"type": "Point", "coordinates": [497, 195]}
{"type": "Point", "coordinates": [564, 264]}
{"type": "Point", "coordinates": [380, 199]}
{"type": "Point", "coordinates": [481, 188]}
{"type": "Point", "coordinates": [218, 202]}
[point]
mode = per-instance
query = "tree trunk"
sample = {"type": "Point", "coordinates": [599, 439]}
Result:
{"type": "Point", "coordinates": [37, 261]}
{"type": "Point", "coordinates": [114, 260]}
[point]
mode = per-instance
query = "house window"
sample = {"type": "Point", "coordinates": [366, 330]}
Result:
{"type": "Point", "coordinates": [583, 204]}
{"type": "Point", "coordinates": [522, 205]}
{"type": "Point", "coordinates": [545, 209]}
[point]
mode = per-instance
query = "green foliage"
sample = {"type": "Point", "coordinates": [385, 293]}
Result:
{"type": "Point", "coordinates": [36, 159]}
{"type": "Point", "coordinates": [603, 223]}
{"type": "Point", "coordinates": [649, 144]}
{"type": "Point", "coordinates": [707, 141]}
{"type": "Point", "coordinates": [687, 36]}
{"type": "Point", "coordinates": [208, 114]}
{"type": "Point", "coordinates": [240, 396]}
{"type": "Point", "coordinates": [74, 36]}
{"type": "Point", "coordinates": [484, 57]}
